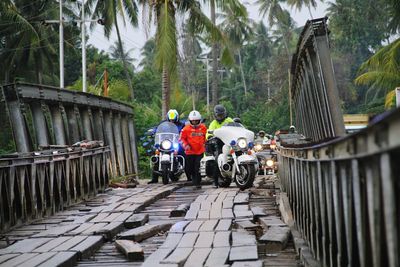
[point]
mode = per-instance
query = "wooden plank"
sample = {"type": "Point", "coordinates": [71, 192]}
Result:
{"type": "Point", "coordinates": [37, 260]}
{"type": "Point", "coordinates": [215, 212]}
{"type": "Point", "coordinates": [16, 261]}
{"type": "Point", "coordinates": [48, 246]}
{"type": "Point", "coordinates": [111, 217]}
{"type": "Point", "coordinates": [244, 253]}
{"type": "Point", "coordinates": [208, 225]}
{"type": "Point", "coordinates": [136, 220]}
{"type": "Point", "coordinates": [191, 214]}
{"type": "Point", "coordinates": [241, 198]}
{"type": "Point", "coordinates": [178, 257]}
{"type": "Point", "coordinates": [271, 221]}
{"type": "Point", "coordinates": [227, 203]}
{"type": "Point", "coordinates": [83, 227]}
{"type": "Point", "coordinates": [179, 227]}
{"type": "Point", "coordinates": [247, 264]}
{"type": "Point", "coordinates": [204, 240]}
{"type": "Point", "coordinates": [26, 245]}
{"type": "Point", "coordinates": [57, 231]}
{"type": "Point", "coordinates": [180, 211]}
{"type": "Point", "coordinates": [276, 238]}
{"type": "Point", "coordinates": [156, 257]}
{"type": "Point", "coordinates": [172, 240]}
{"type": "Point", "coordinates": [61, 259]}
{"type": "Point", "coordinates": [227, 214]}
{"type": "Point", "coordinates": [6, 257]}
{"type": "Point", "coordinates": [222, 239]}
{"type": "Point", "coordinates": [193, 226]}
{"type": "Point", "coordinates": [70, 243]}
{"type": "Point", "coordinates": [224, 225]}
{"type": "Point", "coordinates": [243, 239]}
{"type": "Point", "coordinates": [211, 197]}
{"type": "Point", "coordinates": [203, 215]}
{"type": "Point", "coordinates": [100, 217]}
{"type": "Point", "coordinates": [188, 240]}
{"type": "Point", "coordinates": [197, 257]}
{"type": "Point", "coordinates": [258, 212]}
{"type": "Point", "coordinates": [205, 205]}
{"type": "Point", "coordinates": [248, 225]}
{"type": "Point", "coordinates": [88, 247]}
{"type": "Point", "coordinates": [110, 230]}
{"type": "Point", "coordinates": [96, 227]}
{"type": "Point", "coordinates": [143, 232]}
{"type": "Point", "coordinates": [232, 193]}
{"type": "Point", "coordinates": [123, 217]}
{"type": "Point", "coordinates": [132, 250]}
{"type": "Point", "coordinates": [201, 198]}
{"type": "Point", "coordinates": [217, 257]}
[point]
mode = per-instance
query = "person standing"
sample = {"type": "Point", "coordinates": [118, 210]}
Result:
{"type": "Point", "coordinates": [193, 138]}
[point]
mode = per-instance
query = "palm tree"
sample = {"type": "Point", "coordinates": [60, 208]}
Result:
{"type": "Point", "coordinates": [164, 12]}
{"type": "Point", "coordinates": [109, 11]}
{"type": "Point", "coordinates": [115, 53]}
{"type": "Point", "coordinates": [27, 42]}
{"type": "Point", "coordinates": [381, 72]}
{"type": "Point", "coordinates": [272, 8]}
{"type": "Point", "coordinates": [394, 14]}
{"type": "Point", "coordinates": [147, 53]}
{"type": "Point", "coordinates": [298, 4]}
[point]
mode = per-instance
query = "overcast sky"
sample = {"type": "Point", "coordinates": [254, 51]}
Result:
{"type": "Point", "coordinates": [134, 38]}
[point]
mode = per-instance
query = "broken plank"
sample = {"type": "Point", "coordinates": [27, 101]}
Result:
{"type": "Point", "coordinates": [258, 212]}
{"type": "Point", "coordinates": [243, 253]}
{"type": "Point", "coordinates": [271, 221]}
{"type": "Point", "coordinates": [180, 211]}
{"type": "Point", "coordinates": [94, 228]}
{"type": "Point", "coordinates": [143, 232]}
{"type": "Point", "coordinates": [132, 250]}
{"type": "Point", "coordinates": [136, 220]}
{"type": "Point", "coordinates": [276, 238]}
{"type": "Point", "coordinates": [110, 230]}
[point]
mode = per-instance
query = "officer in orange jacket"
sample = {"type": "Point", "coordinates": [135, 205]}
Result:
{"type": "Point", "coordinates": [193, 138]}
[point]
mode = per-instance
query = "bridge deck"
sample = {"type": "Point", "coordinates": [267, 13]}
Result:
{"type": "Point", "coordinates": [213, 231]}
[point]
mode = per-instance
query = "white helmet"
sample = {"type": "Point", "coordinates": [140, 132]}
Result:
{"type": "Point", "coordinates": [194, 117]}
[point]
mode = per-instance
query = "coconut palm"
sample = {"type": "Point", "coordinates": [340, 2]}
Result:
{"type": "Point", "coordinates": [163, 13]}
{"type": "Point", "coordinates": [109, 11]}
{"type": "Point", "coordinates": [147, 53]}
{"type": "Point", "coordinates": [272, 9]}
{"type": "Point", "coordinates": [115, 53]}
{"type": "Point", "coordinates": [299, 4]}
{"type": "Point", "coordinates": [381, 72]}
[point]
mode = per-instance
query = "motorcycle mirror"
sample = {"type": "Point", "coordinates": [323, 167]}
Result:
{"type": "Point", "coordinates": [210, 131]}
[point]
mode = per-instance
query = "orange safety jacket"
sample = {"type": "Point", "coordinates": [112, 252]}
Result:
{"type": "Point", "coordinates": [193, 139]}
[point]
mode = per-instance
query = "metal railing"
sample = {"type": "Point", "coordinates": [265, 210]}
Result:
{"type": "Point", "coordinates": [345, 195]}
{"type": "Point", "coordinates": [47, 173]}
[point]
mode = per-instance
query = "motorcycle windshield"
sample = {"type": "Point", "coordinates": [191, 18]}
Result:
{"type": "Point", "coordinates": [167, 130]}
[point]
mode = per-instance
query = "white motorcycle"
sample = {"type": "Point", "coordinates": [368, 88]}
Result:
{"type": "Point", "coordinates": [236, 161]}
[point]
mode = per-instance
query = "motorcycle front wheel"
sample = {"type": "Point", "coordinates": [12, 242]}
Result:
{"type": "Point", "coordinates": [224, 182]}
{"type": "Point", "coordinates": [245, 178]}
{"type": "Point", "coordinates": [165, 173]}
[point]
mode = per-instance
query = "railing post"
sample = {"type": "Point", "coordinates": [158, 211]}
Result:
{"type": "Point", "coordinates": [58, 125]}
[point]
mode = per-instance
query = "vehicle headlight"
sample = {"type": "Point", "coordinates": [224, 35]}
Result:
{"type": "Point", "coordinates": [242, 143]}
{"type": "Point", "coordinates": [166, 144]}
{"type": "Point", "coordinates": [258, 147]}
{"type": "Point", "coordinates": [270, 163]}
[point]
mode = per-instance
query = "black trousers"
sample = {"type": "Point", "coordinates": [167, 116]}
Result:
{"type": "Point", "coordinates": [192, 168]}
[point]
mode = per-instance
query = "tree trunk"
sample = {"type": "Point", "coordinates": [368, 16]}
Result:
{"type": "Point", "coordinates": [214, 54]}
{"type": "Point", "coordinates": [121, 50]}
{"type": "Point", "coordinates": [165, 93]}
{"type": "Point", "coordinates": [241, 71]}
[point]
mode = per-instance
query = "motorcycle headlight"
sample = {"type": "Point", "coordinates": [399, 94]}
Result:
{"type": "Point", "coordinates": [258, 147]}
{"type": "Point", "coordinates": [166, 144]}
{"type": "Point", "coordinates": [270, 163]}
{"type": "Point", "coordinates": [242, 143]}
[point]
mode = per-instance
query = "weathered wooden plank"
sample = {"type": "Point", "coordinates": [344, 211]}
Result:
{"type": "Point", "coordinates": [227, 214]}
{"type": "Point", "coordinates": [191, 214]}
{"type": "Point", "coordinates": [83, 227]}
{"type": "Point", "coordinates": [16, 261]}
{"type": "Point", "coordinates": [201, 198]}
{"type": "Point", "coordinates": [93, 229]}
{"type": "Point", "coordinates": [132, 250]}
{"type": "Point", "coordinates": [204, 240]}
{"type": "Point", "coordinates": [224, 225]}
{"type": "Point", "coordinates": [143, 232]}
{"type": "Point", "coordinates": [110, 230]}
{"type": "Point", "coordinates": [276, 238]}
{"type": "Point", "coordinates": [26, 245]}
{"type": "Point", "coordinates": [241, 198]}
{"type": "Point", "coordinates": [211, 197]}
{"type": "Point", "coordinates": [6, 257]}
{"type": "Point", "coordinates": [57, 231]}
{"type": "Point", "coordinates": [136, 220]}
{"type": "Point", "coordinates": [193, 226]}
{"type": "Point", "coordinates": [156, 257]}
{"type": "Point", "coordinates": [258, 212]}
{"type": "Point", "coordinates": [70, 243]}
{"type": "Point", "coordinates": [100, 217]}
{"type": "Point", "coordinates": [38, 259]}
{"type": "Point", "coordinates": [248, 225]}
{"type": "Point", "coordinates": [215, 212]}
{"type": "Point", "coordinates": [123, 217]}
{"type": "Point", "coordinates": [205, 205]}
{"type": "Point", "coordinates": [243, 239]}
{"type": "Point", "coordinates": [48, 246]}
{"type": "Point", "coordinates": [180, 210]}
{"type": "Point", "coordinates": [61, 259]}
{"type": "Point", "coordinates": [179, 256]}
{"type": "Point", "coordinates": [248, 264]}
{"type": "Point", "coordinates": [188, 240]}
{"type": "Point", "coordinates": [242, 211]}
{"type": "Point", "coordinates": [217, 257]}
{"type": "Point", "coordinates": [197, 257]}
{"type": "Point", "coordinates": [203, 215]}
{"type": "Point", "coordinates": [222, 239]}
{"type": "Point", "coordinates": [179, 227]}
{"type": "Point", "coordinates": [227, 203]}
{"type": "Point", "coordinates": [208, 225]}
{"type": "Point", "coordinates": [271, 221]}
{"type": "Point", "coordinates": [172, 240]}
{"type": "Point", "coordinates": [87, 247]}
{"type": "Point", "coordinates": [232, 193]}
{"type": "Point", "coordinates": [243, 253]}
{"type": "Point", "coordinates": [111, 217]}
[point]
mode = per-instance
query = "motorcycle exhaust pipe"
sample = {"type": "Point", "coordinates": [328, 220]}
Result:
{"type": "Point", "coordinates": [226, 167]}
{"type": "Point", "coordinates": [154, 160]}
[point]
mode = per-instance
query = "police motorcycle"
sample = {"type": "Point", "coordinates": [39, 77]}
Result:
{"type": "Point", "coordinates": [236, 160]}
{"type": "Point", "coordinates": [166, 162]}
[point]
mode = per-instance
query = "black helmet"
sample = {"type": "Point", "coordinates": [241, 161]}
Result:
{"type": "Point", "coordinates": [237, 120]}
{"type": "Point", "coordinates": [219, 113]}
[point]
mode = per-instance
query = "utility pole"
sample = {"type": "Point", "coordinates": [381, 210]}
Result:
{"type": "Point", "coordinates": [61, 40]}
{"type": "Point", "coordinates": [398, 97]}
{"type": "Point", "coordinates": [83, 29]}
